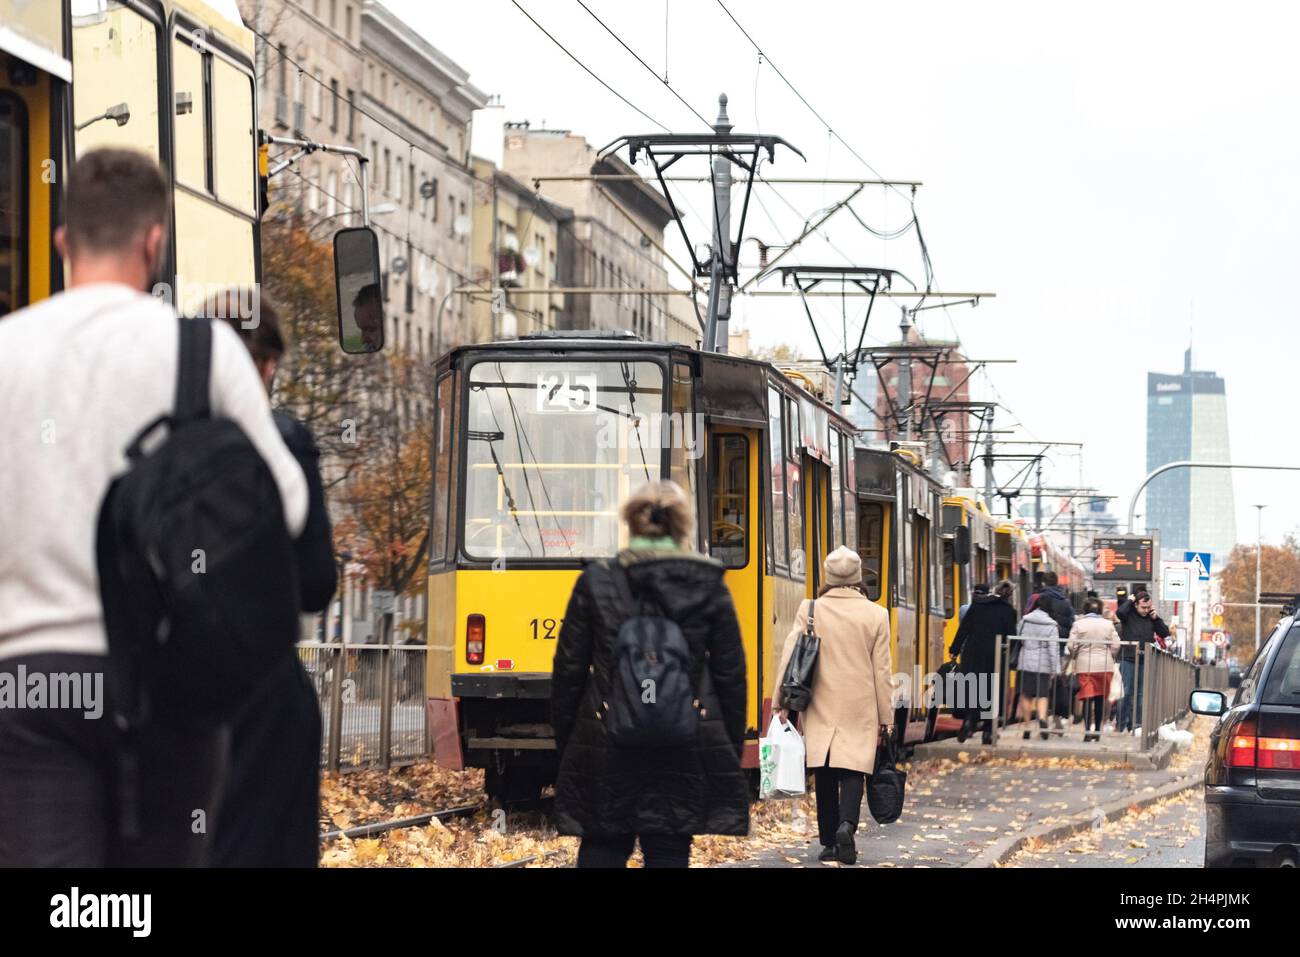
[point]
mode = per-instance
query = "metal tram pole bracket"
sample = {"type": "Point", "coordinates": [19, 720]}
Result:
{"type": "Point", "coordinates": [665, 149]}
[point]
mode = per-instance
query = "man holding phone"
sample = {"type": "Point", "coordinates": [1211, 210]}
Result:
{"type": "Point", "coordinates": [1139, 626]}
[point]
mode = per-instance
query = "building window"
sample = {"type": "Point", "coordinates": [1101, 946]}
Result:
{"type": "Point", "coordinates": [347, 21]}
{"type": "Point", "coordinates": [317, 93]}
{"type": "Point", "coordinates": [388, 171]}
{"type": "Point", "coordinates": [334, 106]}
{"type": "Point", "coordinates": [334, 12]}
{"type": "Point", "coordinates": [352, 114]}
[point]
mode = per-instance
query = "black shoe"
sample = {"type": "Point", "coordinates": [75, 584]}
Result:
{"type": "Point", "coordinates": [1025, 736]}
{"type": "Point", "coordinates": [987, 738]}
{"type": "Point", "coordinates": [846, 852]}
{"type": "Point", "coordinates": [964, 733]}
{"type": "Point", "coordinates": [1042, 723]}
{"type": "Point", "coordinates": [828, 853]}
{"type": "Point", "coordinates": [1091, 737]}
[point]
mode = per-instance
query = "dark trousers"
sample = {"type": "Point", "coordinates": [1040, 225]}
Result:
{"type": "Point", "coordinates": [1130, 706]}
{"type": "Point", "coordinates": [63, 786]}
{"type": "Point", "coordinates": [1094, 709]}
{"type": "Point", "coordinates": [270, 809]}
{"type": "Point", "coordinates": [659, 850]}
{"type": "Point", "coordinates": [839, 799]}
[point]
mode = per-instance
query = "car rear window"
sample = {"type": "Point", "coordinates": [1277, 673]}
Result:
{"type": "Point", "coordinates": [1283, 685]}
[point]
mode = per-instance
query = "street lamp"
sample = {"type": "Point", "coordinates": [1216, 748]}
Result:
{"type": "Point", "coordinates": [1259, 553]}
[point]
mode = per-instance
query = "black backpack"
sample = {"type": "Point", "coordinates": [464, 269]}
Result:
{"type": "Point", "coordinates": [651, 700]}
{"type": "Point", "coordinates": [196, 567]}
{"type": "Point", "coordinates": [801, 669]}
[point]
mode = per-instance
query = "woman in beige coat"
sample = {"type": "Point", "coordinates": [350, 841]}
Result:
{"type": "Point", "coordinates": [1092, 647]}
{"type": "Point", "coordinates": [850, 704]}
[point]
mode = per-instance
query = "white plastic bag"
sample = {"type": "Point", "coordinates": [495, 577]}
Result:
{"type": "Point", "coordinates": [1116, 690]}
{"type": "Point", "coordinates": [1170, 732]}
{"type": "Point", "coordinates": [781, 762]}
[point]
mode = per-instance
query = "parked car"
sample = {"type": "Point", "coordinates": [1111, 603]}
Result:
{"type": "Point", "coordinates": [1252, 779]}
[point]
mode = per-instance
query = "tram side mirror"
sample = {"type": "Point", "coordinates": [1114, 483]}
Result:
{"type": "Point", "coordinates": [961, 544]}
{"type": "Point", "coordinates": [357, 284]}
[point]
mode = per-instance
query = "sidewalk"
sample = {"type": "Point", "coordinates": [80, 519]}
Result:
{"type": "Point", "coordinates": [1114, 748]}
{"type": "Point", "coordinates": [960, 806]}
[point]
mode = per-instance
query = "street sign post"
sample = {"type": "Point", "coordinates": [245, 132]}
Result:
{"type": "Point", "coordinates": [1202, 560]}
{"type": "Point", "coordinates": [1176, 581]}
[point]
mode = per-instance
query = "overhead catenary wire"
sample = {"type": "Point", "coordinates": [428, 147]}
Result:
{"type": "Point", "coordinates": [588, 69]}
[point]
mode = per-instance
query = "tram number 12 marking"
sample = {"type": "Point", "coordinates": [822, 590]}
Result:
{"type": "Point", "coordinates": [546, 627]}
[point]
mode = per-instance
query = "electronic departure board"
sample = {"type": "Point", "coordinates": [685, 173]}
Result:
{"type": "Point", "coordinates": [1126, 559]}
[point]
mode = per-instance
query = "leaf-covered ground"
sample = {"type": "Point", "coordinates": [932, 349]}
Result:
{"type": "Point", "coordinates": [1168, 833]}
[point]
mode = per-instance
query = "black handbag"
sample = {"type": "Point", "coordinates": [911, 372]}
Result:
{"type": "Point", "coordinates": [887, 785]}
{"type": "Point", "coordinates": [801, 670]}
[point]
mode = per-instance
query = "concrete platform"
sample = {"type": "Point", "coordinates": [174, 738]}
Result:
{"type": "Point", "coordinates": [1114, 749]}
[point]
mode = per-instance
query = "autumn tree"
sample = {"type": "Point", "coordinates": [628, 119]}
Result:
{"type": "Point", "coordinates": [371, 415]}
{"type": "Point", "coordinates": [1279, 572]}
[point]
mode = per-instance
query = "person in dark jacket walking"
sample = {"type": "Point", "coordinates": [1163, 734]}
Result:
{"type": "Point", "coordinates": [1054, 600]}
{"type": "Point", "coordinates": [612, 796]}
{"type": "Point", "coordinates": [270, 812]}
{"type": "Point", "coordinates": [1139, 624]}
{"type": "Point", "coordinates": [989, 618]}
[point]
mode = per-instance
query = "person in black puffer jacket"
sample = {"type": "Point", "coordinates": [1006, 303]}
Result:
{"type": "Point", "coordinates": [989, 618]}
{"type": "Point", "coordinates": [611, 796]}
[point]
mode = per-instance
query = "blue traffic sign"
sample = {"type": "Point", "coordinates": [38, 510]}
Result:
{"type": "Point", "coordinates": [1202, 562]}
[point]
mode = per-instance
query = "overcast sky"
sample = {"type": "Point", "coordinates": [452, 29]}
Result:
{"type": "Point", "coordinates": [1123, 176]}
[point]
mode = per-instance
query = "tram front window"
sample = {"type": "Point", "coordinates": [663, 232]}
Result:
{"type": "Point", "coordinates": [552, 450]}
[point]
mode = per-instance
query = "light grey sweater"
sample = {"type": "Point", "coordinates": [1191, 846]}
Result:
{"type": "Point", "coordinates": [81, 373]}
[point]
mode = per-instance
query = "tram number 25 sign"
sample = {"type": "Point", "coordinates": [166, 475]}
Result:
{"type": "Point", "coordinates": [566, 392]}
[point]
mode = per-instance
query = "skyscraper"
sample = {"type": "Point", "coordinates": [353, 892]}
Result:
{"type": "Point", "coordinates": [1187, 419]}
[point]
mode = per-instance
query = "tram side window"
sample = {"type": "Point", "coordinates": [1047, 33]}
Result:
{"type": "Point", "coordinates": [685, 439]}
{"type": "Point", "coordinates": [871, 546]}
{"type": "Point", "coordinates": [849, 474]}
{"type": "Point", "coordinates": [836, 493]}
{"type": "Point", "coordinates": [112, 44]}
{"type": "Point", "coordinates": [13, 204]}
{"type": "Point", "coordinates": [948, 572]}
{"type": "Point", "coordinates": [442, 474]}
{"type": "Point", "coordinates": [904, 537]}
{"type": "Point", "coordinates": [794, 490]}
{"type": "Point", "coordinates": [189, 72]}
{"type": "Point", "coordinates": [776, 441]}
{"type": "Point", "coordinates": [235, 137]}
{"type": "Point", "coordinates": [729, 505]}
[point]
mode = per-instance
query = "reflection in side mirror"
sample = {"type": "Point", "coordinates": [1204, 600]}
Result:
{"type": "Point", "coordinates": [1212, 703]}
{"type": "Point", "coordinates": [961, 544]}
{"type": "Point", "coordinates": [357, 285]}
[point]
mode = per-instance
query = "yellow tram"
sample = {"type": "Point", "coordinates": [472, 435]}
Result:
{"type": "Point", "coordinates": [537, 442]}
{"type": "Point", "coordinates": [170, 78]}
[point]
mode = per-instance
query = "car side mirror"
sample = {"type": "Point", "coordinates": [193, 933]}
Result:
{"type": "Point", "coordinates": [1213, 703]}
{"type": "Point", "coordinates": [961, 544]}
{"type": "Point", "coordinates": [357, 285]}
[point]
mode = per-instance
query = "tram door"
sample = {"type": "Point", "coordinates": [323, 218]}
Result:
{"type": "Point", "coordinates": [734, 521]}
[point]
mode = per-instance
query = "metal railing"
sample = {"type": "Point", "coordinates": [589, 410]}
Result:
{"type": "Point", "coordinates": [1214, 677]}
{"type": "Point", "coordinates": [372, 702]}
{"type": "Point", "coordinates": [1161, 685]}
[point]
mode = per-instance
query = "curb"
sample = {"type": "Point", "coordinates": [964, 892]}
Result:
{"type": "Point", "coordinates": [1000, 850]}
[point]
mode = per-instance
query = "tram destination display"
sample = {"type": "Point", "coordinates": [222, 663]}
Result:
{"type": "Point", "coordinates": [1122, 559]}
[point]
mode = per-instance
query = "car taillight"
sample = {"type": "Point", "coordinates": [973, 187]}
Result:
{"type": "Point", "coordinates": [1279, 754]}
{"type": "Point", "coordinates": [1242, 745]}
{"type": "Point", "coordinates": [475, 639]}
